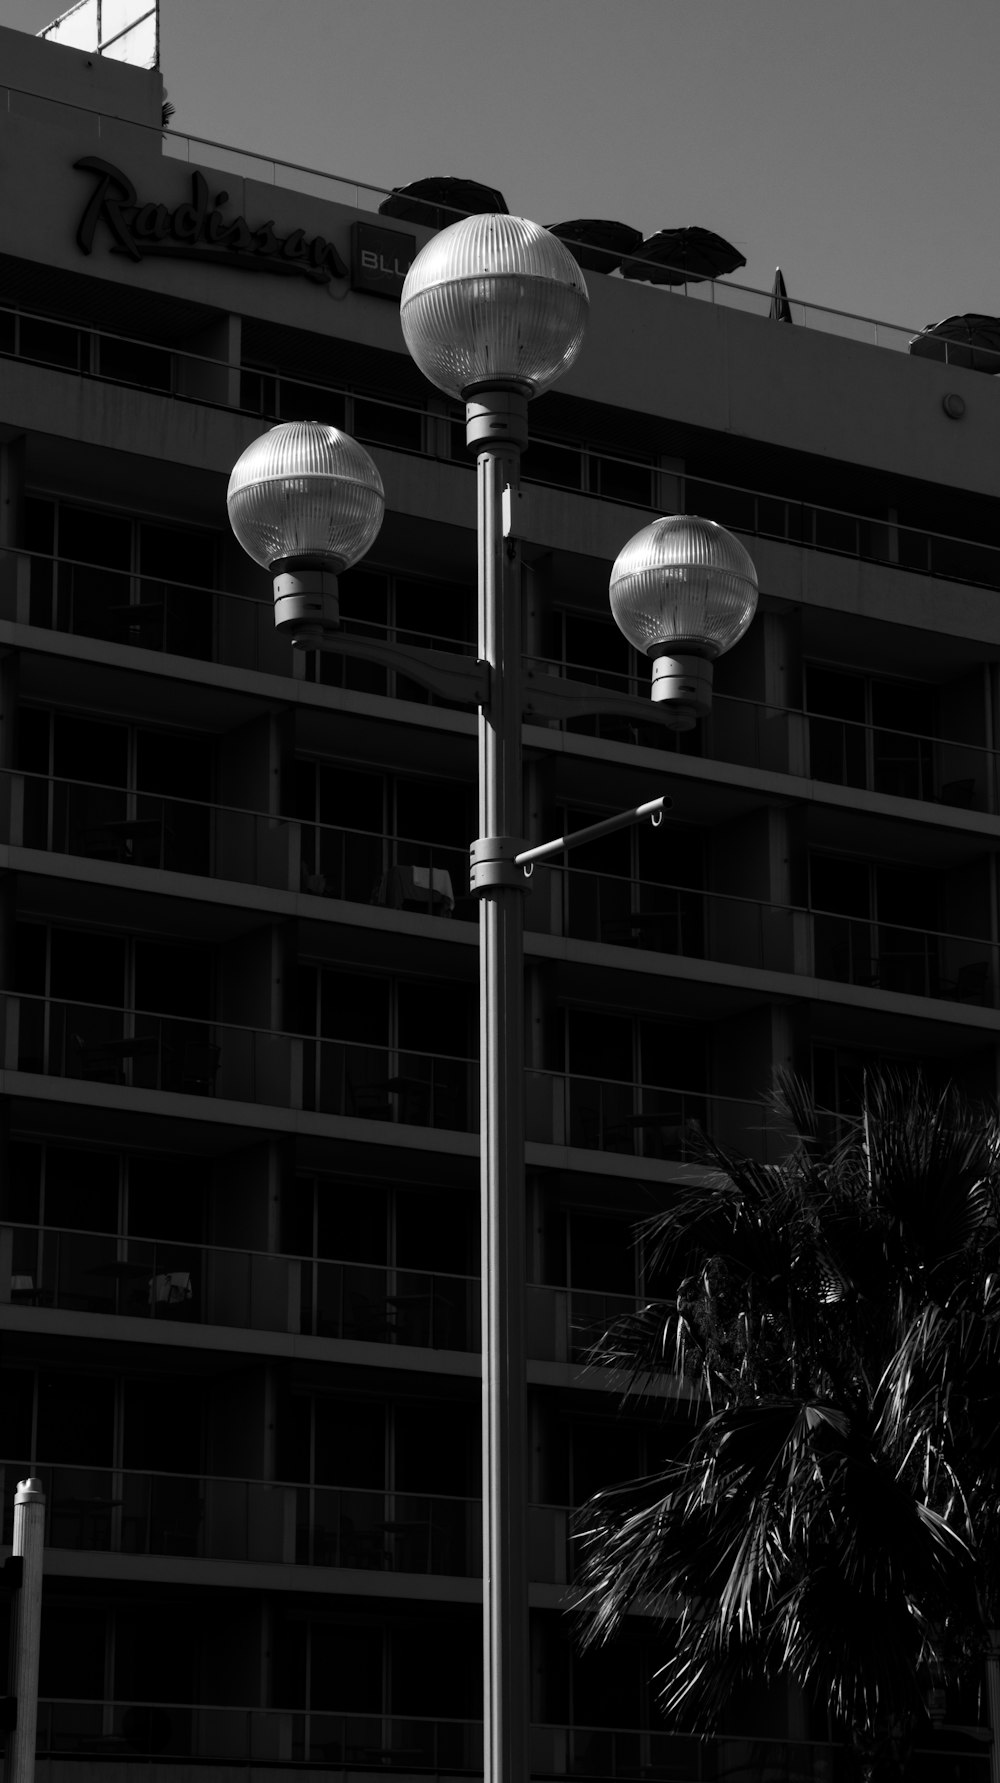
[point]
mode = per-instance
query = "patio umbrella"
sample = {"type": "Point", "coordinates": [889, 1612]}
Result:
{"type": "Point", "coordinates": [441, 200]}
{"type": "Point", "coordinates": [781, 309]}
{"type": "Point", "coordinates": [972, 342]}
{"type": "Point", "coordinates": [683, 257]}
{"type": "Point", "coordinates": [596, 243]}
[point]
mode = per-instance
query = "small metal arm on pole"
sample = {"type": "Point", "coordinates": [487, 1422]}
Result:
{"type": "Point", "coordinates": [443, 672]}
{"type": "Point", "coordinates": [653, 809]}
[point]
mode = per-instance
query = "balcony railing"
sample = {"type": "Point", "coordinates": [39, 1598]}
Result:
{"type": "Point", "coordinates": [124, 1511]}
{"type": "Point", "coordinates": [140, 1050]}
{"type": "Point", "coordinates": [212, 624]}
{"type": "Point", "coordinates": [897, 957]}
{"type": "Point", "coordinates": [644, 1120]}
{"type": "Point", "coordinates": [789, 740]}
{"type": "Point", "coordinates": [177, 1281]}
{"type": "Point", "coordinates": [133, 828]}
{"type": "Point", "coordinates": [212, 1734]}
{"type": "Point", "coordinates": [182, 1282]}
{"type": "Point", "coordinates": [695, 924]}
{"type": "Point", "coordinates": [106, 823]}
{"type": "Point", "coordinates": [602, 474]}
{"type": "Point", "coordinates": [344, 1740]}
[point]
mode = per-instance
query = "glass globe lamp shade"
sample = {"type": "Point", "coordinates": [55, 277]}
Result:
{"type": "Point", "coordinates": [305, 494]}
{"type": "Point", "coordinates": [683, 587]}
{"type": "Point", "coordinates": [494, 302]}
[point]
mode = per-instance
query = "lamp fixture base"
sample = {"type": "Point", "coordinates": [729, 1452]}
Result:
{"type": "Point", "coordinates": [496, 418]}
{"type": "Point", "coordinates": [684, 685]}
{"type": "Point", "coordinates": [306, 604]}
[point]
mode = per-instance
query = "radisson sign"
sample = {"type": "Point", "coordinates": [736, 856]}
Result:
{"type": "Point", "coordinates": [197, 230]}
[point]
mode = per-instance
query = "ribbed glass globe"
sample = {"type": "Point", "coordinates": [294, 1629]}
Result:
{"type": "Point", "coordinates": [494, 301]}
{"type": "Point", "coordinates": [683, 584]}
{"type": "Point", "coordinates": [308, 492]}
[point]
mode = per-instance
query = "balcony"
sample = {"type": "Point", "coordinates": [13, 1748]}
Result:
{"type": "Point", "coordinates": [122, 1276]}
{"type": "Point", "coordinates": [121, 1511]}
{"type": "Point", "coordinates": [214, 1735]}
{"type": "Point", "coordinates": [422, 431]}
{"type": "Point", "coordinates": [136, 1049]}
{"type": "Point", "coordinates": [180, 1282]}
{"type": "Point", "coordinates": [362, 1743]}
{"type": "Point", "coordinates": [209, 624]}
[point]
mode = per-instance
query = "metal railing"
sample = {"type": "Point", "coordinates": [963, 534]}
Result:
{"type": "Point", "coordinates": [109, 823]}
{"type": "Point", "coordinates": [643, 1120]}
{"type": "Point", "coordinates": [73, 1269]}
{"type": "Point", "coordinates": [365, 196]}
{"type": "Point", "coordinates": [442, 1745]}
{"type": "Point", "coordinates": [807, 940]}
{"type": "Point", "coordinates": [129, 1511]}
{"type": "Point", "coordinates": [181, 1281]}
{"type": "Point", "coordinates": [794, 740]}
{"type": "Point", "coordinates": [138, 1049]}
{"type": "Point", "coordinates": [591, 468]}
{"type": "Point", "coordinates": [130, 827]}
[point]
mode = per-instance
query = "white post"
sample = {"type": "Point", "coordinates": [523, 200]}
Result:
{"type": "Point", "coordinates": [26, 1628]}
{"type": "Point", "coordinates": [993, 1701]}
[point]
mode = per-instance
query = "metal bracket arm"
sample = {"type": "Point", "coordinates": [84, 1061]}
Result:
{"type": "Point", "coordinates": [653, 809]}
{"type": "Point", "coordinates": [443, 672]}
{"type": "Point", "coordinates": [545, 695]}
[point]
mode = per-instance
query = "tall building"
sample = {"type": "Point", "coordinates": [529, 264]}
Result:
{"type": "Point", "coordinates": [239, 1247]}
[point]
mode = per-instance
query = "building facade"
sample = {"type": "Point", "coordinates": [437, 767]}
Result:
{"type": "Point", "coordinates": [238, 1121]}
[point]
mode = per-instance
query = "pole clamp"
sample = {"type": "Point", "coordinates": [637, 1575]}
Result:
{"type": "Point", "coordinates": [491, 864]}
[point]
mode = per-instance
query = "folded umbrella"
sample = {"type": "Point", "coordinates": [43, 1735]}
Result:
{"type": "Point", "coordinates": [596, 243]}
{"type": "Point", "coordinates": [683, 257]}
{"type": "Point", "coordinates": [781, 309]}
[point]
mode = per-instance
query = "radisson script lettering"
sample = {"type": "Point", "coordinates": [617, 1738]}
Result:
{"type": "Point", "coordinates": [196, 230]}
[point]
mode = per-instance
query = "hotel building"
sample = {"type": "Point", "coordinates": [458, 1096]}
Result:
{"type": "Point", "coordinates": [238, 958]}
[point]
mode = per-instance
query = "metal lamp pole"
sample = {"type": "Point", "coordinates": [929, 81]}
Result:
{"type": "Point", "coordinates": [500, 886]}
{"type": "Point", "coordinates": [493, 311]}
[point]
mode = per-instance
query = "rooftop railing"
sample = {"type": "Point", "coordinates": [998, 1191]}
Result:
{"type": "Point", "coordinates": [362, 195]}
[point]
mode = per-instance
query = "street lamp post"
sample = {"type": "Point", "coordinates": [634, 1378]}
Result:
{"type": "Point", "coordinates": [493, 311]}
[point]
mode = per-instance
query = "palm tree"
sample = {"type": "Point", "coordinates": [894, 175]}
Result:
{"type": "Point", "coordinates": [833, 1518]}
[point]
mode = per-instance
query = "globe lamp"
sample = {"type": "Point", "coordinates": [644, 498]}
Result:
{"type": "Point", "coordinates": [493, 310]}
{"type": "Point", "coordinates": [683, 591]}
{"type": "Point", "coordinates": [306, 502]}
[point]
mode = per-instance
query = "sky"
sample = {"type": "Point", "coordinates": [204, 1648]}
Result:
{"type": "Point", "coordinates": [853, 142]}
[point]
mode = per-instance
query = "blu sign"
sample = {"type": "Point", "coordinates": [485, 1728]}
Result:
{"type": "Point", "coordinates": [380, 259]}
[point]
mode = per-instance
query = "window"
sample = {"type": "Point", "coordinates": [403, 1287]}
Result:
{"type": "Point", "coordinates": [389, 1049]}
{"type": "Point", "coordinates": [635, 1084]}
{"type": "Point", "coordinates": [871, 733]}
{"type": "Point", "coordinates": [116, 792]}
{"type": "Point", "coordinates": [638, 887]}
{"type": "Point", "coordinates": [425, 611]}
{"type": "Point", "coordinates": [130, 581]}
{"type": "Point", "coordinates": [384, 839]}
{"type": "Point", "coordinates": [112, 1009]}
{"type": "Point", "coordinates": [875, 924]}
